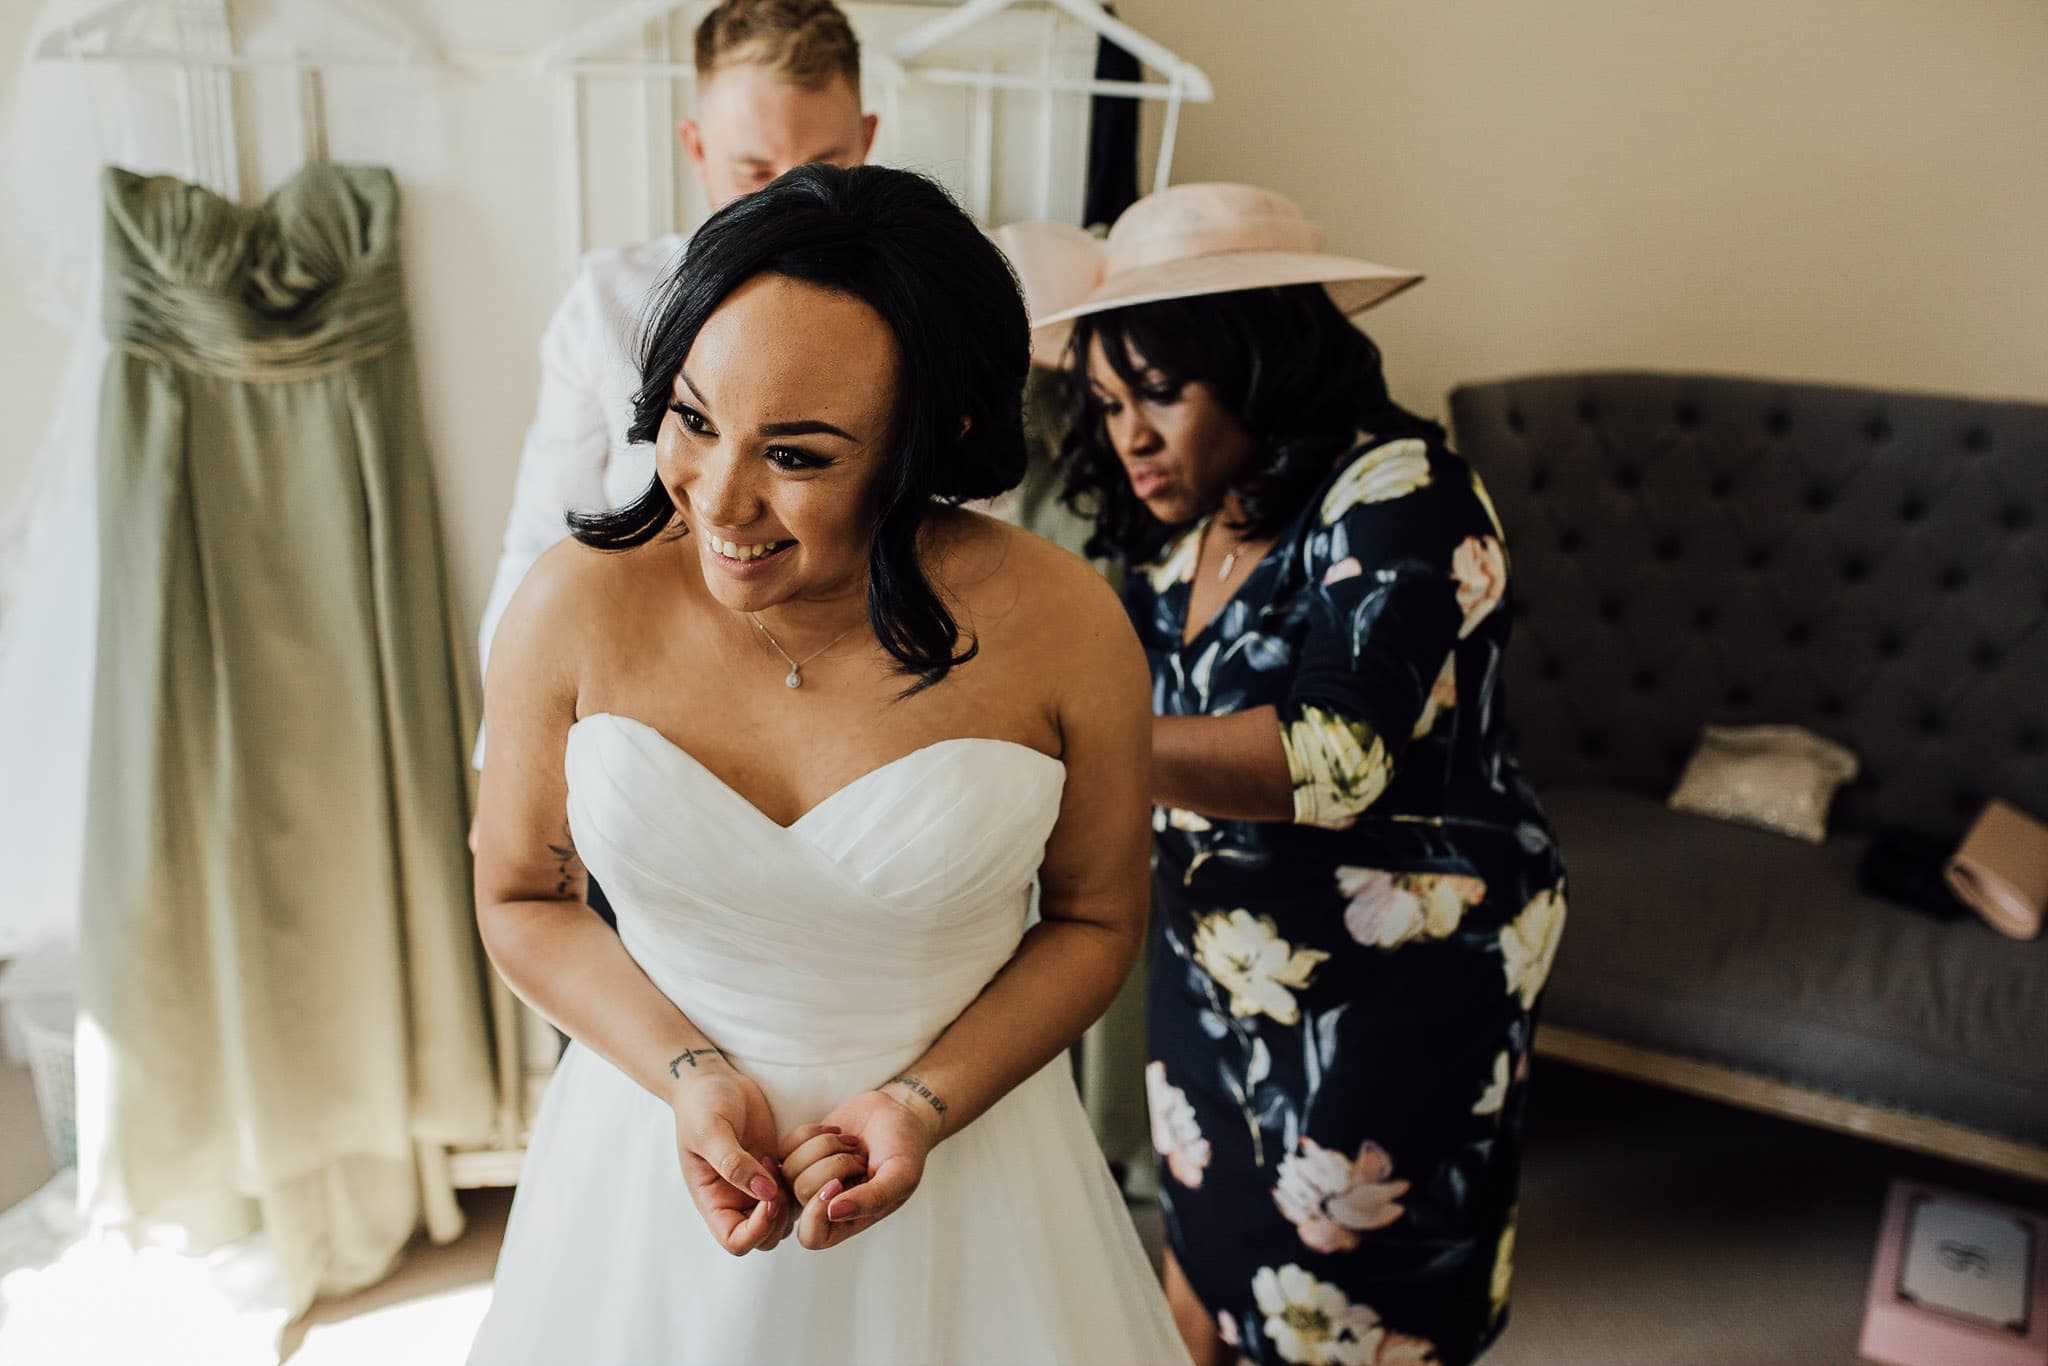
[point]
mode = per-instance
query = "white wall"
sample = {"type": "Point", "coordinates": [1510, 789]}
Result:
{"type": "Point", "coordinates": [1845, 190]}
{"type": "Point", "coordinates": [31, 347]}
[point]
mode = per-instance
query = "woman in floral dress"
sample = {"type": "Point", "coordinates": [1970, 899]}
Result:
{"type": "Point", "coordinates": [1358, 897]}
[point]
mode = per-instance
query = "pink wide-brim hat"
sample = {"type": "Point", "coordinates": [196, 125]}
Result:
{"type": "Point", "coordinates": [1185, 240]}
{"type": "Point", "coordinates": [1057, 263]}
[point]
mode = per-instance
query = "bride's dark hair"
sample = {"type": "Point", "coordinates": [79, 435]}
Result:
{"type": "Point", "coordinates": [896, 241]}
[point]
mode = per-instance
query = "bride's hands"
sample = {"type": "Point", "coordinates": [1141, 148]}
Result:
{"type": "Point", "coordinates": [860, 1165]}
{"type": "Point", "coordinates": [722, 1122]}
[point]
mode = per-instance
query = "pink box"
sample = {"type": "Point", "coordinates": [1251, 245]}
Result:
{"type": "Point", "coordinates": [1959, 1281]}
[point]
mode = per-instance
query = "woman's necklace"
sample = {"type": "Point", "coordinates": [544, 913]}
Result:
{"type": "Point", "coordinates": [796, 666]}
{"type": "Point", "coordinates": [1229, 560]}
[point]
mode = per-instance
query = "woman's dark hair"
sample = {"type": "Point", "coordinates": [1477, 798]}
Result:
{"type": "Point", "coordinates": [895, 241]}
{"type": "Point", "coordinates": [1285, 362]}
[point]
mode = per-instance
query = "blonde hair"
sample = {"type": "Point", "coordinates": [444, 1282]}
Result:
{"type": "Point", "coordinates": [806, 42]}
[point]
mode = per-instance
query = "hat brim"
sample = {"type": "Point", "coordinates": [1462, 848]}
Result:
{"type": "Point", "coordinates": [1354, 285]}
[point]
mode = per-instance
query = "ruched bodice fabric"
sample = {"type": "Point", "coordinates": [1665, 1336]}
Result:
{"type": "Point", "coordinates": [306, 283]}
{"type": "Point", "coordinates": [855, 914]}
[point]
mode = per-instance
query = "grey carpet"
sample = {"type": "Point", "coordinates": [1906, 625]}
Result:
{"type": "Point", "coordinates": [1660, 1230]}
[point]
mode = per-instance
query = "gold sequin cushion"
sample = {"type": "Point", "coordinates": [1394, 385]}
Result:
{"type": "Point", "coordinates": [1778, 778]}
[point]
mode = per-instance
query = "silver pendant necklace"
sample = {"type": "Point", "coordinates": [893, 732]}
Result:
{"type": "Point", "coordinates": [796, 666]}
{"type": "Point", "coordinates": [1229, 561]}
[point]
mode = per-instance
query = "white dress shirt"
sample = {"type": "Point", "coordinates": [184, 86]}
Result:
{"type": "Point", "coordinates": [577, 457]}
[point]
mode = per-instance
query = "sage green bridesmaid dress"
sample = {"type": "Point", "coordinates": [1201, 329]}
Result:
{"type": "Point", "coordinates": [286, 1012]}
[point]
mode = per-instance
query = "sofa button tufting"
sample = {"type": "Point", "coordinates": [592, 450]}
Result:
{"type": "Point", "coordinates": [1855, 570]}
{"type": "Point", "coordinates": [1687, 416]}
{"type": "Point", "coordinates": [1589, 411]}
{"type": "Point", "coordinates": [1667, 549]}
{"type": "Point", "coordinates": [1515, 423]}
{"type": "Point", "coordinates": [2016, 518]}
{"type": "Point", "coordinates": [1644, 682]}
{"type": "Point", "coordinates": [1977, 439]}
{"type": "Point", "coordinates": [1549, 670]}
{"type": "Point", "coordinates": [1832, 706]}
{"type": "Point", "coordinates": [1723, 485]}
{"type": "Point", "coordinates": [1705, 619]}
{"type": "Point", "coordinates": [1539, 478]}
{"type": "Point", "coordinates": [1779, 422]}
{"type": "Point", "coordinates": [1610, 608]}
{"type": "Point", "coordinates": [1877, 431]}
{"type": "Point", "coordinates": [1592, 744]}
{"type": "Point", "coordinates": [1912, 510]}
{"type": "Point", "coordinates": [1759, 557]}
{"type": "Point", "coordinates": [1819, 498]}
{"type": "Point", "coordinates": [1799, 633]}
{"type": "Point", "coordinates": [1889, 645]}
{"type": "Point", "coordinates": [1986, 656]}
{"type": "Point", "coordinates": [1737, 696]}
{"type": "Point", "coordinates": [1928, 723]}
{"type": "Point", "coordinates": [1569, 541]}
{"type": "Point", "coordinates": [1953, 579]}
{"type": "Point", "coordinates": [1966, 800]}
{"type": "Point", "coordinates": [2029, 742]}
{"type": "Point", "coordinates": [1627, 478]}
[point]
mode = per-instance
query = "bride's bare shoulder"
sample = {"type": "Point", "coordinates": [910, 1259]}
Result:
{"type": "Point", "coordinates": [569, 598]}
{"type": "Point", "coordinates": [1003, 573]}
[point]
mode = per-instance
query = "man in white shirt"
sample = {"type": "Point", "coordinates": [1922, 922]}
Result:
{"type": "Point", "coordinates": [778, 85]}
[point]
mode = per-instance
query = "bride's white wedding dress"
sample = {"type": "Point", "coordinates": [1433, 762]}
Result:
{"type": "Point", "coordinates": [823, 957]}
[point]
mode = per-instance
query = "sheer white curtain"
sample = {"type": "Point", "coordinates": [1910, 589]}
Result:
{"type": "Point", "coordinates": [63, 123]}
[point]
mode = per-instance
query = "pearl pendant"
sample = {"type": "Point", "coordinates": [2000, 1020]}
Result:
{"type": "Point", "coordinates": [795, 679]}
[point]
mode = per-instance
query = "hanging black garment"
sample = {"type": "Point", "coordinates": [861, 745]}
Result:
{"type": "Point", "coordinates": [1112, 138]}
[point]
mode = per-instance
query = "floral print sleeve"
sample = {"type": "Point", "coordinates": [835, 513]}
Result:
{"type": "Point", "coordinates": [1394, 581]}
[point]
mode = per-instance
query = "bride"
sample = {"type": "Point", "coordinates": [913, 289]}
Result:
{"type": "Point", "coordinates": [815, 730]}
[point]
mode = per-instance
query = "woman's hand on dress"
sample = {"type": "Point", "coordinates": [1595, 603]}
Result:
{"type": "Point", "coordinates": [893, 1131]}
{"type": "Point", "coordinates": [723, 1126]}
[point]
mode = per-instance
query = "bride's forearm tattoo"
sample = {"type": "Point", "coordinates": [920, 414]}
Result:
{"type": "Point", "coordinates": [920, 1090]}
{"type": "Point", "coordinates": [688, 1058]}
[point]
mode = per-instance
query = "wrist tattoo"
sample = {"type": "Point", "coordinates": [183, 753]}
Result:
{"type": "Point", "coordinates": [920, 1090]}
{"type": "Point", "coordinates": [688, 1058]}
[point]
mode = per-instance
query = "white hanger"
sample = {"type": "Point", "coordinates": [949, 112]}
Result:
{"type": "Point", "coordinates": [409, 47]}
{"type": "Point", "coordinates": [1192, 80]}
{"type": "Point", "coordinates": [577, 52]}
{"type": "Point", "coordinates": [1184, 80]}
{"type": "Point", "coordinates": [211, 133]}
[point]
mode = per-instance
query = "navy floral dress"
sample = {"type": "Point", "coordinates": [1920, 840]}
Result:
{"type": "Point", "coordinates": [1341, 1006]}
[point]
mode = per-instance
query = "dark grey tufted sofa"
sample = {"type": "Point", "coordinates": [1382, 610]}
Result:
{"type": "Point", "coordinates": [1871, 565]}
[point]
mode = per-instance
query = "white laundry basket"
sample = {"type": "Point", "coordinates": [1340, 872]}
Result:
{"type": "Point", "coordinates": [38, 1007]}
{"type": "Point", "coordinates": [47, 1037]}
